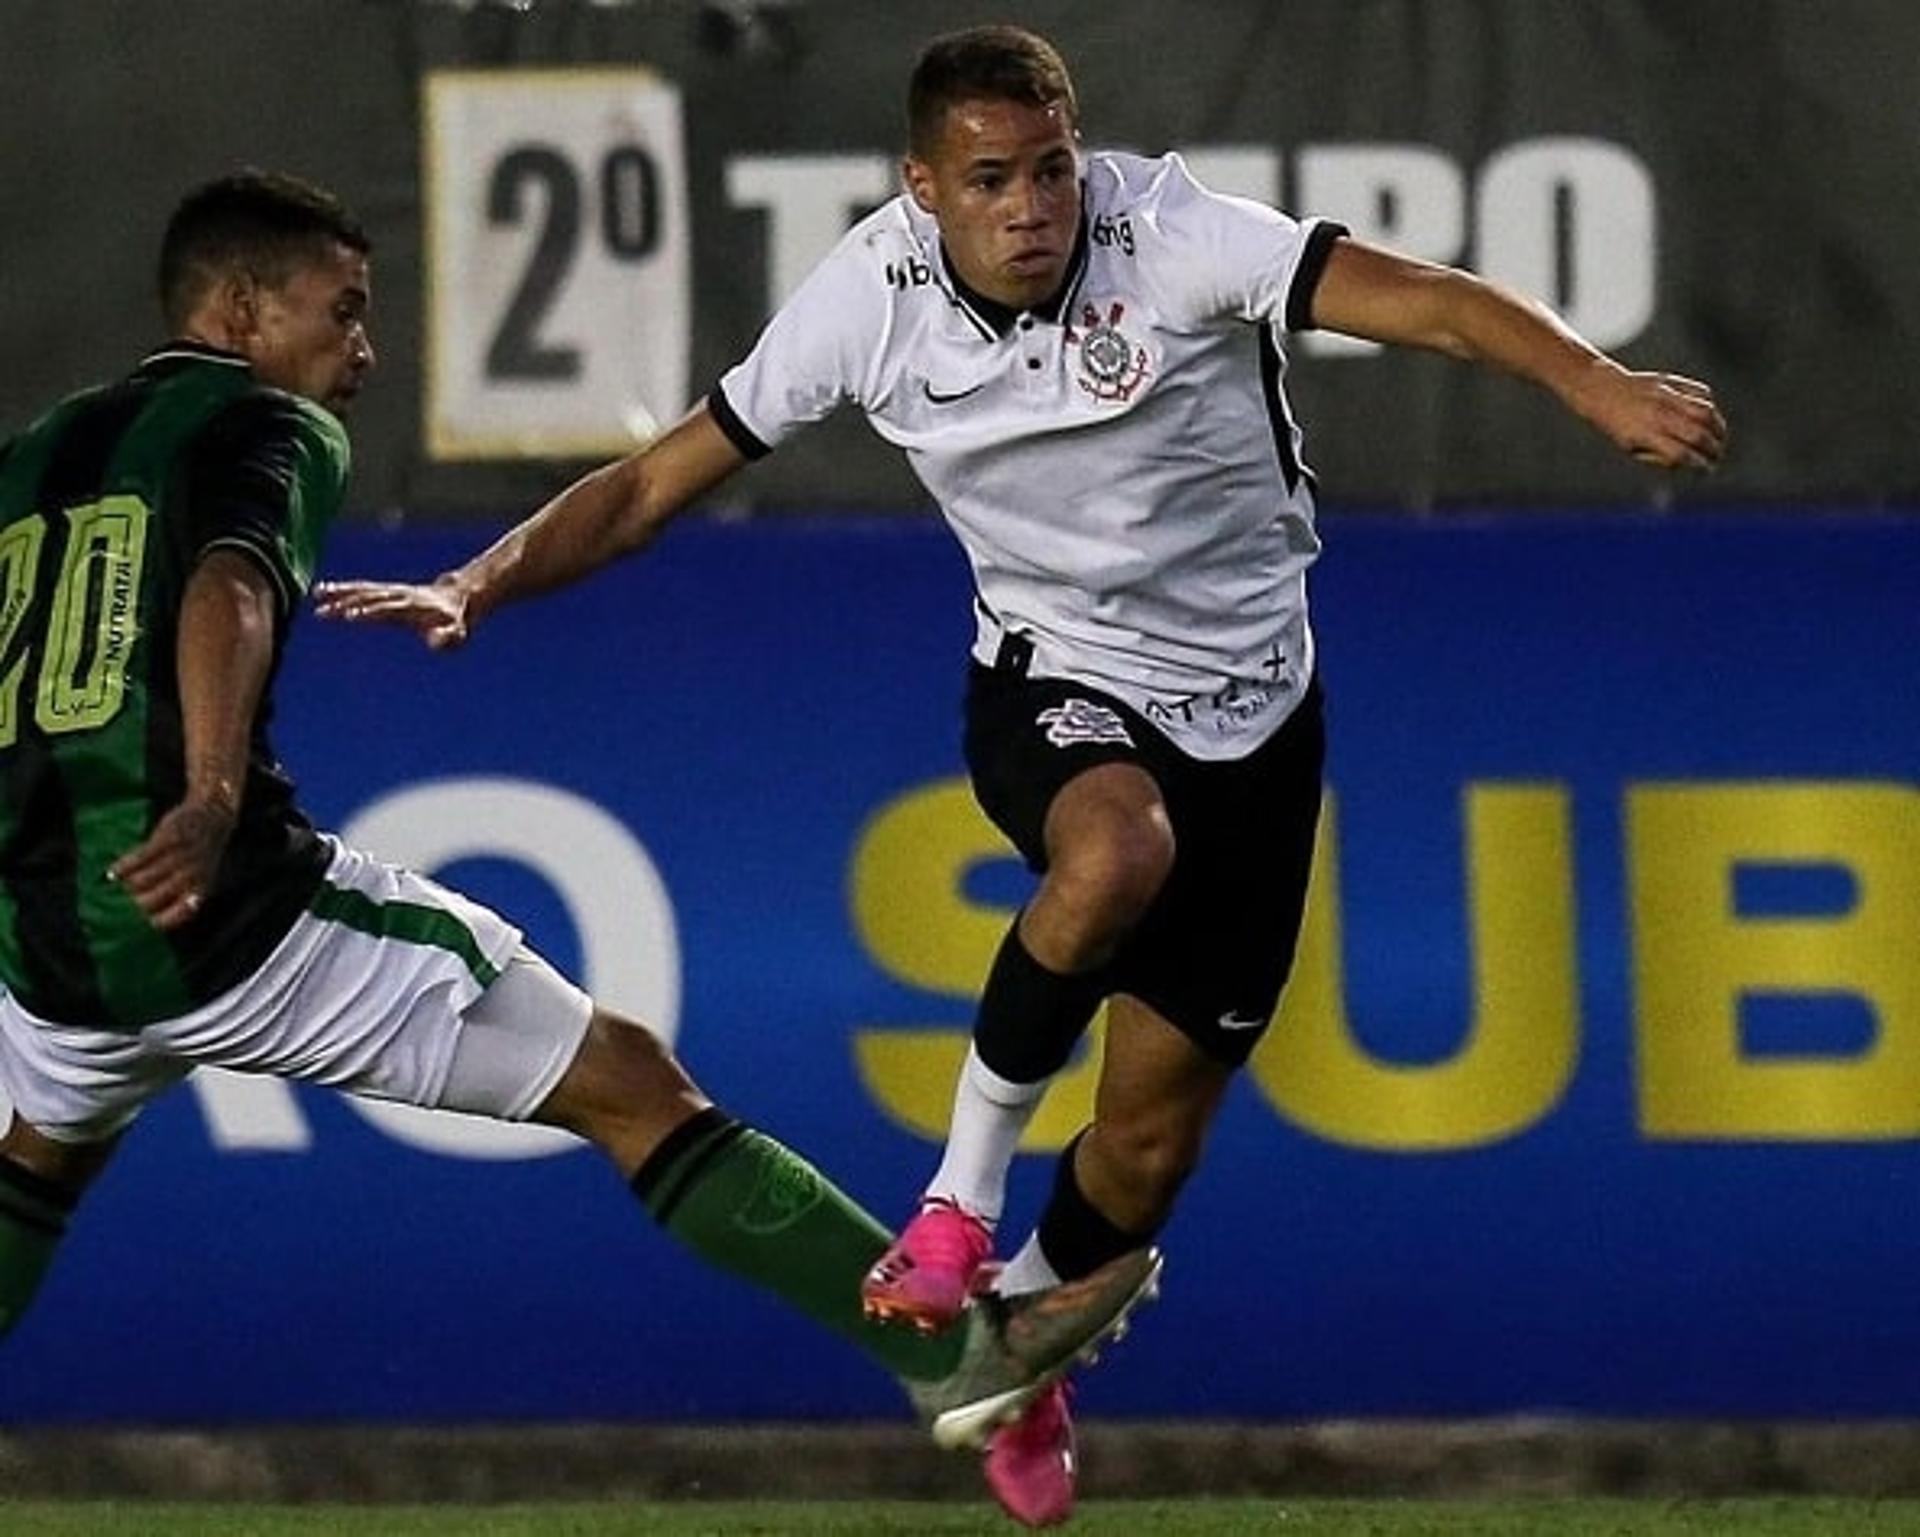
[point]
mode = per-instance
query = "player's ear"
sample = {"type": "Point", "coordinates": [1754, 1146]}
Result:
{"type": "Point", "coordinates": [917, 176]}
{"type": "Point", "coordinates": [236, 301]}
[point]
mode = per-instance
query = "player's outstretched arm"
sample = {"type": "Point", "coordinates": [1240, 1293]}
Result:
{"type": "Point", "coordinates": [603, 515]}
{"type": "Point", "coordinates": [1662, 419]}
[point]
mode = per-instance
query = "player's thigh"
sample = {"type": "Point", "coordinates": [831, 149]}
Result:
{"type": "Point", "coordinates": [370, 990]}
{"type": "Point", "coordinates": [72, 1089]}
{"type": "Point", "coordinates": [1215, 949]}
{"type": "Point", "coordinates": [1028, 739]}
{"type": "Point", "coordinates": [515, 1043]}
{"type": "Point", "coordinates": [1109, 823]}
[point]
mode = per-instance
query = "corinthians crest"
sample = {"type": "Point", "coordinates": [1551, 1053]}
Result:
{"type": "Point", "coordinates": [1112, 364]}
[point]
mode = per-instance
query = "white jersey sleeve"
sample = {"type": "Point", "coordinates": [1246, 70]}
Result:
{"type": "Point", "coordinates": [1241, 259]}
{"type": "Point", "coordinates": [819, 350]}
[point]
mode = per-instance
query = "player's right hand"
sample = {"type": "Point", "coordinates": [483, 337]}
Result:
{"type": "Point", "coordinates": [170, 872]}
{"type": "Point", "coordinates": [436, 611]}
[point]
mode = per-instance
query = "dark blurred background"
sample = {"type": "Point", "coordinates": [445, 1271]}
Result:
{"type": "Point", "coordinates": [1723, 188]}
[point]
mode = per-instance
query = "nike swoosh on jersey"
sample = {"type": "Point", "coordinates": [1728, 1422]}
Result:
{"type": "Point", "coordinates": [1233, 1021]}
{"type": "Point", "coordinates": [941, 398]}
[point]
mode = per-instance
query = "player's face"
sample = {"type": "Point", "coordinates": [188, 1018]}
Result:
{"type": "Point", "coordinates": [1004, 181]}
{"type": "Point", "coordinates": [308, 334]}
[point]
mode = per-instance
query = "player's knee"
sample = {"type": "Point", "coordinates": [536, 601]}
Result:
{"type": "Point", "coordinates": [1142, 861]}
{"type": "Point", "coordinates": [1109, 877]}
{"type": "Point", "coordinates": [622, 1087]}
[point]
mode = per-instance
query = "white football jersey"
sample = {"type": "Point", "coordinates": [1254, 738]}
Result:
{"type": "Point", "coordinates": [1121, 466]}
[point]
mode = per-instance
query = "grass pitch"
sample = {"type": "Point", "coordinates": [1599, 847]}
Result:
{"type": "Point", "coordinates": [898, 1518]}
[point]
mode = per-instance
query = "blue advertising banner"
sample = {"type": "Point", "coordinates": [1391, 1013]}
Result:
{"type": "Point", "coordinates": [1597, 1088]}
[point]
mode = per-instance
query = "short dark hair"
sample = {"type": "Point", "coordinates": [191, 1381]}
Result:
{"type": "Point", "coordinates": [998, 63]}
{"type": "Point", "coordinates": [262, 222]}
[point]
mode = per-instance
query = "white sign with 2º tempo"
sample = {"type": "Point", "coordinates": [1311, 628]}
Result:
{"type": "Point", "coordinates": [558, 311]}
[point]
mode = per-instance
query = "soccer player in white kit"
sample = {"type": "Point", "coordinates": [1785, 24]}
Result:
{"type": "Point", "coordinates": [1082, 357]}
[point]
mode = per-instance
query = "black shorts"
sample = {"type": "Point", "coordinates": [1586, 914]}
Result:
{"type": "Point", "coordinates": [1215, 947]}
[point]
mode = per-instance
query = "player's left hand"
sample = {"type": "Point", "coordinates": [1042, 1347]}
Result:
{"type": "Point", "coordinates": [170, 873]}
{"type": "Point", "coordinates": [1667, 420]}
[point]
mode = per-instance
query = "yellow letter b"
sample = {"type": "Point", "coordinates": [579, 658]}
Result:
{"type": "Point", "coordinates": [1696, 958]}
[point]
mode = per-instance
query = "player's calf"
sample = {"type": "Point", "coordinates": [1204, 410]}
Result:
{"type": "Point", "coordinates": [33, 1220]}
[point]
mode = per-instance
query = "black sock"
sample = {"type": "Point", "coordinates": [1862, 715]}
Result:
{"type": "Point", "coordinates": [1031, 1018]}
{"type": "Point", "coordinates": [1076, 1238]}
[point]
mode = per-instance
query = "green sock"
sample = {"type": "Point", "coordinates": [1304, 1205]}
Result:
{"type": "Point", "coordinates": [747, 1204]}
{"type": "Point", "coordinates": [33, 1220]}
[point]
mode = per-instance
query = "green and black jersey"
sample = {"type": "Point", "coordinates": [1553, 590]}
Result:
{"type": "Point", "coordinates": [106, 505]}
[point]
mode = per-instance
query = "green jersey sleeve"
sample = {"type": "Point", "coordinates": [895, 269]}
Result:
{"type": "Point", "coordinates": [267, 480]}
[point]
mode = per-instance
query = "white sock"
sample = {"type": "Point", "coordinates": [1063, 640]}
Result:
{"type": "Point", "coordinates": [1027, 1271]}
{"type": "Point", "coordinates": [989, 1114]}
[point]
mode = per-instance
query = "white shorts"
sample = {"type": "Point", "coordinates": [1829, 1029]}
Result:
{"type": "Point", "coordinates": [389, 986]}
